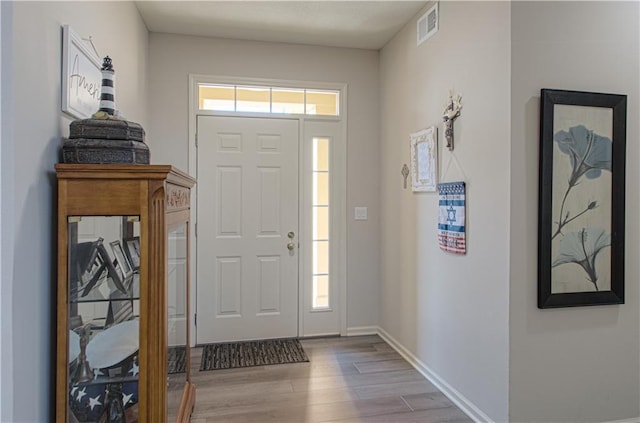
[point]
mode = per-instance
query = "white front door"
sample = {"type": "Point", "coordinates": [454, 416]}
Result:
{"type": "Point", "coordinates": [247, 277]}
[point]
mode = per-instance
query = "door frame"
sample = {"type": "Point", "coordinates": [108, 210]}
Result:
{"type": "Point", "coordinates": [338, 186]}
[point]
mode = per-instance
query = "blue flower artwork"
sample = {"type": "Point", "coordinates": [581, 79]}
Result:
{"type": "Point", "coordinates": [581, 198]}
{"type": "Point", "coordinates": [589, 155]}
{"type": "Point", "coordinates": [582, 248]}
{"type": "Point", "coordinates": [589, 152]}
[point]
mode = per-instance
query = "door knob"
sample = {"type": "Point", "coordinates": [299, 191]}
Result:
{"type": "Point", "coordinates": [291, 246]}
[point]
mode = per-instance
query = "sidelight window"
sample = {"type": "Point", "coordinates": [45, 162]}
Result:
{"type": "Point", "coordinates": [320, 230]}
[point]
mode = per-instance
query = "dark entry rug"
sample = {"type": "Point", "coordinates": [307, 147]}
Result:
{"type": "Point", "coordinates": [229, 355]}
{"type": "Point", "coordinates": [177, 358]}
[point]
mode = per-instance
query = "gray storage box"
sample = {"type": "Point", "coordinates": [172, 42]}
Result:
{"type": "Point", "coordinates": [105, 141]}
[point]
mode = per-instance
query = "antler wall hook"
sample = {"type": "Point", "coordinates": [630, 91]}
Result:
{"type": "Point", "coordinates": [452, 110]}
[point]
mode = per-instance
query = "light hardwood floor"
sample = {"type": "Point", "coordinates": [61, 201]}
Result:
{"type": "Point", "coordinates": [348, 380]}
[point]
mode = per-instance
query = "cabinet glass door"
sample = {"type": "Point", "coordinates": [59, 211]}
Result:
{"type": "Point", "coordinates": [104, 315]}
{"type": "Point", "coordinates": [177, 314]}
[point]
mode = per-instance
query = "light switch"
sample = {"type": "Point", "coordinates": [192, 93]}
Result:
{"type": "Point", "coordinates": [361, 213]}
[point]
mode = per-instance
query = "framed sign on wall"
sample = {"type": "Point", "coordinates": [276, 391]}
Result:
{"type": "Point", "coordinates": [81, 76]}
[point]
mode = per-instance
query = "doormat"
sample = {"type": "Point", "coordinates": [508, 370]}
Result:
{"type": "Point", "coordinates": [177, 358]}
{"type": "Point", "coordinates": [230, 355]}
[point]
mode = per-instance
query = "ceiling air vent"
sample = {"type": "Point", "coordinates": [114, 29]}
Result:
{"type": "Point", "coordinates": [428, 24]}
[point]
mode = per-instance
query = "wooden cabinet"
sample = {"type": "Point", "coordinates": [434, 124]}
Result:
{"type": "Point", "coordinates": [123, 294]}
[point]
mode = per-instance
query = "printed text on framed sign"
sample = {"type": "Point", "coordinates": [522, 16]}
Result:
{"type": "Point", "coordinates": [81, 77]}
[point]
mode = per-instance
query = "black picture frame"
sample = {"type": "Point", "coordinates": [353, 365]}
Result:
{"type": "Point", "coordinates": [85, 265]}
{"type": "Point", "coordinates": [111, 271]}
{"type": "Point", "coordinates": [121, 263]}
{"type": "Point", "coordinates": [132, 251]}
{"type": "Point", "coordinates": [84, 256]}
{"type": "Point", "coordinates": [582, 167]}
{"type": "Point", "coordinates": [119, 310]}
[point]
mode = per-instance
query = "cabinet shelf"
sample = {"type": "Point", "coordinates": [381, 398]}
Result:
{"type": "Point", "coordinates": [99, 293]}
{"type": "Point", "coordinates": [106, 380]}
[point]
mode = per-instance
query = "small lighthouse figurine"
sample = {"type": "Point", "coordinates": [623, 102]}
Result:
{"type": "Point", "coordinates": [108, 93]}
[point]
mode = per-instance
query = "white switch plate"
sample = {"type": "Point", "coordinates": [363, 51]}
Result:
{"type": "Point", "coordinates": [361, 213]}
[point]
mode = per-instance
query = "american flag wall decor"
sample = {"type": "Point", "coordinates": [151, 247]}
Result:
{"type": "Point", "coordinates": [451, 219]}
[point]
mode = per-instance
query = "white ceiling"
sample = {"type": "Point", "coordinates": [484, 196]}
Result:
{"type": "Point", "coordinates": [356, 24]}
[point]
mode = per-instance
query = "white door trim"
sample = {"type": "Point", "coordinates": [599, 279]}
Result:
{"type": "Point", "coordinates": [339, 168]}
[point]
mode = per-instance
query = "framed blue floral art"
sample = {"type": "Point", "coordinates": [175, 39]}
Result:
{"type": "Point", "coordinates": [581, 199]}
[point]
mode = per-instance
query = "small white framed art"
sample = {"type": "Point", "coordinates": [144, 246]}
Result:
{"type": "Point", "coordinates": [424, 160]}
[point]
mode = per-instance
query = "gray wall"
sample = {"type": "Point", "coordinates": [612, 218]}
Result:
{"type": "Point", "coordinates": [573, 364]}
{"type": "Point", "coordinates": [473, 319]}
{"type": "Point", "coordinates": [173, 58]}
{"type": "Point", "coordinates": [32, 126]}
{"type": "Point", "coordinates": [451, 312]}
{"type": "Point", "coordinates": [6, 210]}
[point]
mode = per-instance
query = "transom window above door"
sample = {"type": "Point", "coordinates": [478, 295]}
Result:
{"type": "Point", "coordinates": [264, 99]}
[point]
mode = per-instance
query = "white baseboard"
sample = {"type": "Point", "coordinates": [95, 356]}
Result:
{"type": "Point", "coordinates": [316, 335]}
{"type": "Point", "coordinates": [362, 330]}
{"type": "Point", "coordinates": [456, 397]}
{"type": "Point", "coordinates": [469, 408]}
